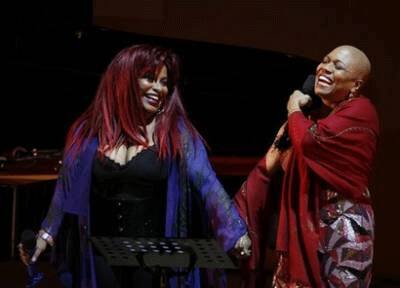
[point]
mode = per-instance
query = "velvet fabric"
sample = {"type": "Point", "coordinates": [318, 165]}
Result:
{"type": "Point", "coordinates": [252, 203]}
{"type": "Point", "coordinates": [258, 204]}
{"type": "Point", "coordinates": [190, 179]}
{"type": "Point", "coordinates": [336, 153]}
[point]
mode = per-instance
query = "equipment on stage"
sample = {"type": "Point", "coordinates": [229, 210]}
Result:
{"type": "Point", "coordinates": [162, 255]}
{"type": "Point", "coordinates": [21, 161]}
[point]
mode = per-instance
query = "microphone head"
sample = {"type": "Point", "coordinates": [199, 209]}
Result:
{"type": "Point", "coordinates": [28, 239]}
{"type": "Point", "coordinates": [308, 88]}
{"type": "Point", "coordinates": [308, 85]}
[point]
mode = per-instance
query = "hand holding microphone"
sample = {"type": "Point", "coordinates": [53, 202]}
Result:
{"type": "Point", "coordinates": [29, 250]}
{"type": "Point", "coordinates": [297, 101]}
{"type": "Point", "coordinates": [304, 100]}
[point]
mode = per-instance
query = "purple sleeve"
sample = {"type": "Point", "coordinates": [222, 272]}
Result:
{"type": "Point", "coordinates": [72, 189]}
{"type": "Point", "coordinates": [227, 225]}
{"type": "Point", "coordinates": [55, 214]}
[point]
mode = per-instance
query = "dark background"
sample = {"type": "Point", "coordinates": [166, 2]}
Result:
{"type": "Point", "coordinates": [235, 96]}
{"type": "Point", "coordinates": [55, 52]}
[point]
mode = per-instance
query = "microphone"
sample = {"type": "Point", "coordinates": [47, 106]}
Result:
{"type": "Point", "coordinates": [283, 142]}
{"type": "Point", "coordinates": [308, 88]}
{"type": "Point", "coordinates": [28, 241]}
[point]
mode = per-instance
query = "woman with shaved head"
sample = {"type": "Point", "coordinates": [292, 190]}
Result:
{"type": "Point", "coordinates": [325, 230]}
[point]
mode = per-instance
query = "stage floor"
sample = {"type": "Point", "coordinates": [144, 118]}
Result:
{"type": "Point", "coordinates": [13, 275]}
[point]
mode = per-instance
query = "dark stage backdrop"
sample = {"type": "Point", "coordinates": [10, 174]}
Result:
{"type": "Point", "coordinates": [235, 96]}
{"type": "Point", "coordinates": [304, 27]}
{"type": "Point", "coordinates": [42, 45]}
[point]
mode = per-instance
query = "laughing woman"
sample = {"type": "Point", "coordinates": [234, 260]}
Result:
{"type": "Point", "coordinates": [325, 227]}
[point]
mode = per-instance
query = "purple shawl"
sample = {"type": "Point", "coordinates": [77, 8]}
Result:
{"type": "Point", "coordinates": [193, 171]}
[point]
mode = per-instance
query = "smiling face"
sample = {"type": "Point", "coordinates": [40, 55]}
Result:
{"type": "Point", "coordinates": [341, 72]}
{"type": "Point", "coordinates": [154, 90]}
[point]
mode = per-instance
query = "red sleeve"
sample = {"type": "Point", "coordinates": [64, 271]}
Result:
{"type": "Point", "coordinates": [251, 202]}
{"type": "Point", "coordinates": [298, 126]}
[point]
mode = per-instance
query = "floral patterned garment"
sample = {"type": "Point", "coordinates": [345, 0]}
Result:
{"type": "Point", "coordinates": [346, 244]}
{"type": "Point", "coordinates": [346, 232]}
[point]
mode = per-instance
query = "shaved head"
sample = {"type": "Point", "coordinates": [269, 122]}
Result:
{"type": "Point", "coordinates": [341, 74]}
{"type": "Point", "coordinates": [361, 66]}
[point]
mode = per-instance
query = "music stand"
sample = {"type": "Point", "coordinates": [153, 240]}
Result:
{"type": "Point", "coordinates": [162, 254]}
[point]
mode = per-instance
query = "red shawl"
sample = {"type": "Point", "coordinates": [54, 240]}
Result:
{"type": "Point", "coordinates": [336, 152]}
{"type": "Point", "coordinates": [251, 202]}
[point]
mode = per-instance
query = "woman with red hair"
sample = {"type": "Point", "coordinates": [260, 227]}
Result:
{"type": "Point", "coordinates": [130, 162]}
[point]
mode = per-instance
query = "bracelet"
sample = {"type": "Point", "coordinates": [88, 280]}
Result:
{"type": "Point", "coordinates": [47, 237]}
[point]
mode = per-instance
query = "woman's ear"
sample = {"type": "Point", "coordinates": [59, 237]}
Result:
{"type": "Point", "coordinates": [357, 86]}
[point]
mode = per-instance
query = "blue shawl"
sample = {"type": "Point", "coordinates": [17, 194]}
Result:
{"type": "Point", "coordinates": [72, 193]}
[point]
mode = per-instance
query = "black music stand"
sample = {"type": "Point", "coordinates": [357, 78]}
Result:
{"type": "Point", "coordinates": [162, 254]}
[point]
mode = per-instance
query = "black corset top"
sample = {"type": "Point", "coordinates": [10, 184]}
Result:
{"type": "Point", "coordinates": [129, 200]}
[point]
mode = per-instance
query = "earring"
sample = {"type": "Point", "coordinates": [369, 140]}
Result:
{"type": "Point", "coordinates": [353, 94]}
{"type": "Point", "coordinates": [160, 110]}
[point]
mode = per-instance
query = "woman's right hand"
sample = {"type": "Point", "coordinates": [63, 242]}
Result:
{"type": "Point", "coordinates": [297, 100]}
{"type": "Point", "coordinates": [41, 243]}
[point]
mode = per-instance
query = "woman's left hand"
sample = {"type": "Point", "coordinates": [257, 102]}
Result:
{"type": "Point", "coordinates": [242, 247]}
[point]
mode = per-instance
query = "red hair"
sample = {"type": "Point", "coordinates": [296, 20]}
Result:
{"type": "Point", "coordinates": [116, 113]}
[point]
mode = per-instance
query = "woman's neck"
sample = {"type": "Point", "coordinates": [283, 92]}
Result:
{"type": "Point", "coordinates": [150, 128]}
